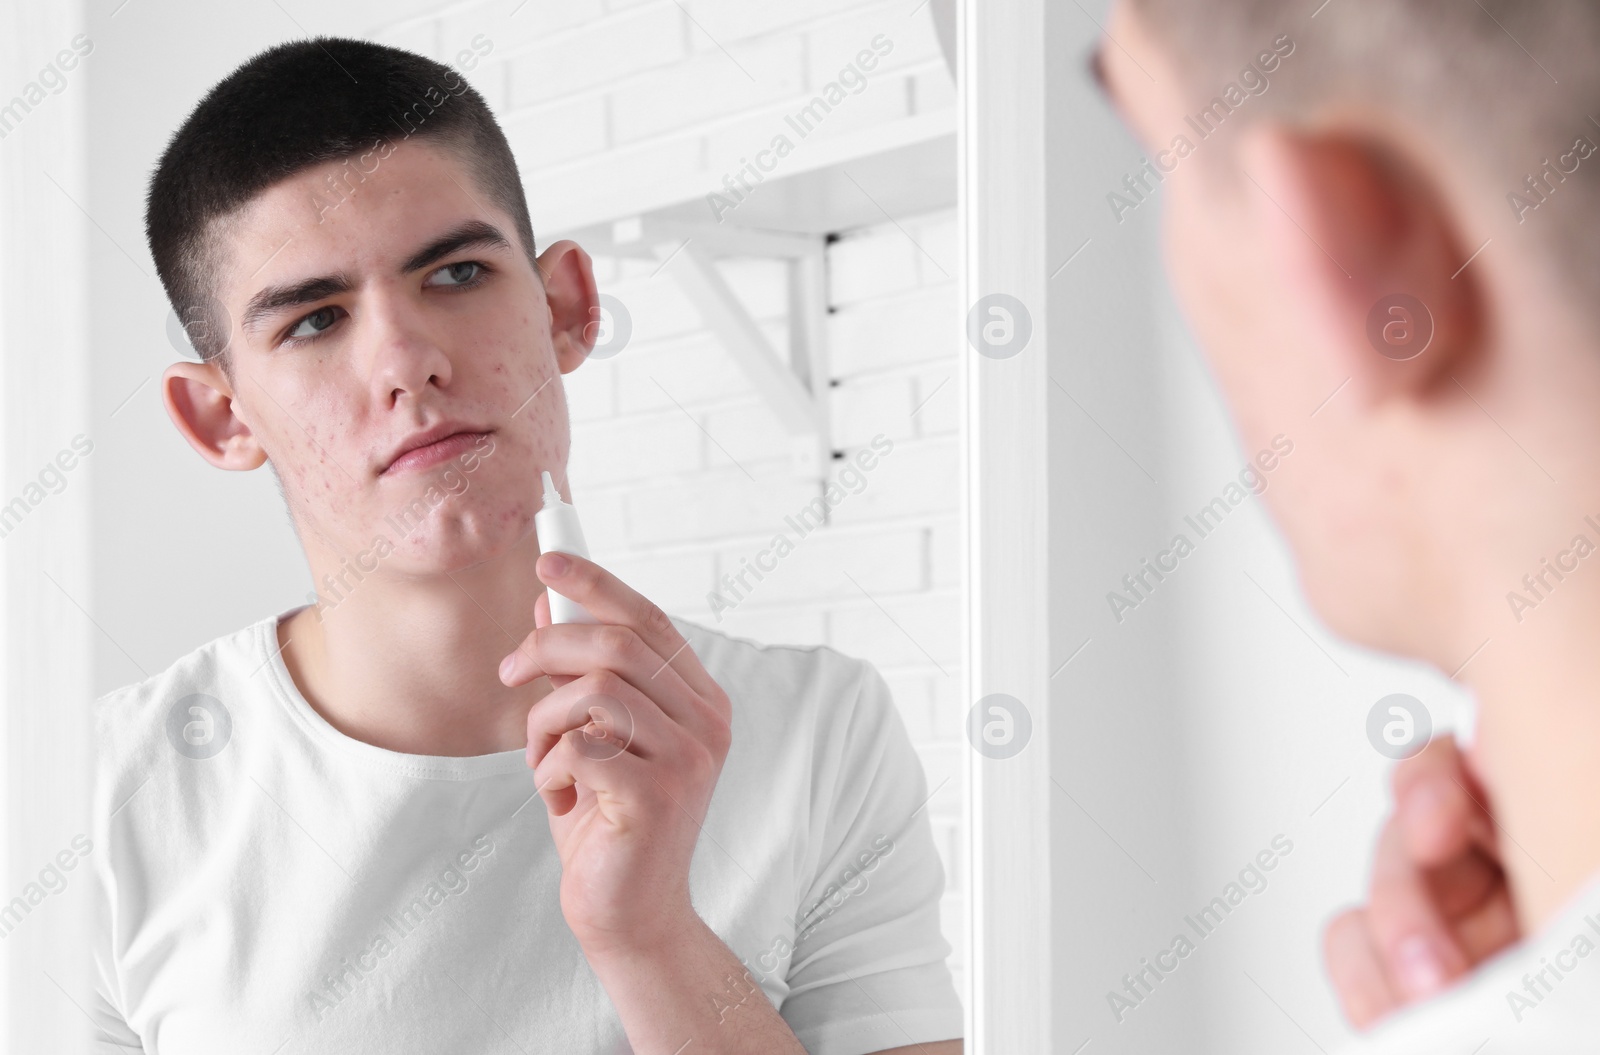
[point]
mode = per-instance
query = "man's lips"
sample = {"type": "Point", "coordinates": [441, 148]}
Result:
{"type": "Point", "coordinates": [431, 454]}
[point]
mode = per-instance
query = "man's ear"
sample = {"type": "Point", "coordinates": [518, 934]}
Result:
{"type": "Point", "coordinates": [199, 400]}
{"type": "Point", "coordinates": [1371, 256]}
{"type": "Point", "coordinates": [574, 302]}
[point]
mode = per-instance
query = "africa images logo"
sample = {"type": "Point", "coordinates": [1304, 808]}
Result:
{"type": "Point", "coordinates": [199, 726]}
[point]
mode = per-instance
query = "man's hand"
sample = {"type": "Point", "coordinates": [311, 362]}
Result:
{"type": "Point", "coordinates": [1438, 905]}
{"type": "Point", "coordinates": [626, 752]}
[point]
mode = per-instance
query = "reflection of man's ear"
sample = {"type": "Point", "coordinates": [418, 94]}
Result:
{"type": "Point", "coordinates": [1349, 223]}
{"type": "Point", "coordinates": [574, 302]}
{"type": "Point", "coordinates": [199, 400]}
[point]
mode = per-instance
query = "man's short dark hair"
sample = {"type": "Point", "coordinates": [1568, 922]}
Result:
{"type": "Point", "coordinates": [1503, 89]}
{"type": "Point", "coordinates": [299, 104]}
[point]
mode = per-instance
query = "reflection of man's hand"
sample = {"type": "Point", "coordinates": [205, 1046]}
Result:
{"type": "Point", "coordinates": [626, 752]}
{"type": "Point", "coordinates": [1438, 904]}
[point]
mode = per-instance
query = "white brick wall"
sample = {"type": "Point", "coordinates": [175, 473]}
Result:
{"type": "Point", "coordinates": [666, 431]}
{"type": "Point", "coordinates": [661, 431]}
{"type": "Point", "coordinates": [685, 523]}
{"type": "Point", "coordinates": [591, 89]}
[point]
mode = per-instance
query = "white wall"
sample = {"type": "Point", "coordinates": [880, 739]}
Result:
{"type": "Point", "coordinates": [44, 517]}
{"type": "Point", "coordinates": [655, 426]}
{"type": "Point", "coordinates": [1217, 714]}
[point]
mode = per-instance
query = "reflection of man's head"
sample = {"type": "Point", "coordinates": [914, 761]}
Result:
{"type": "Point", "coordinates": [1378, 222]}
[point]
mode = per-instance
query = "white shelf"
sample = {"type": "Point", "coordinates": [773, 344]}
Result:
{"type": "Point", "coordinates": [912, 157]}
{"type": "Point", "coordinates": [881, 175]}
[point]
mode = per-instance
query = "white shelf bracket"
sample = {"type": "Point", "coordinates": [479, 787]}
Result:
{"type": "Point", "coordinates": [796, 392]}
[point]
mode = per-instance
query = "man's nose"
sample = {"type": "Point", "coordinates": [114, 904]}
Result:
{"type": "Point", "coordinates": [407, 352]}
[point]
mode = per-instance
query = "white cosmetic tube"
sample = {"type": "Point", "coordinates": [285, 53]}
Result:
{"type": "Point", "coordinates": [559, 532]}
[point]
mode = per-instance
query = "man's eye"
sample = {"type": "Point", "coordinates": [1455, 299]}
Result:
{"type": "Point", "coordinates": [317, 321]}
{"type": "Point", "coordinates": [461, 274]}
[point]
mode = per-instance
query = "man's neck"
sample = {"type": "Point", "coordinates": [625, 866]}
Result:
{"type": "Point", "coordinates": [1538, 742]}
{"type": "Point", "coordinates": [411, 663]}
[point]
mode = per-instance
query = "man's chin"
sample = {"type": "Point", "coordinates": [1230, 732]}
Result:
{"type": "Point", "coordinates": [1356, 611]}
{"type": "Point", "coordinates": [440, 545]}
{"type": "Point", "coordinates": [457, 547]}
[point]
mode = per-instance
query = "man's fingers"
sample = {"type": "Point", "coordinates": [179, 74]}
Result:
{"type": "Point", "coordinates": [1357, 971]}
{"type": "Point", "coordinates": [541, 619]}
{"type": "Point", "coordinates": [1435, 805]}
{"type": "Point", "coordinates": [574, 650]}
{"type": "Point", "coordinates": [1489, 929]}
{"type": "Point", "coordinates": [611, 600]}
{"type": "Point", "coordinates": [1419, 953]}
{"type": "Point", "coordinates": [1438, 902]}
{"type": "Point", "coordinates": [622, 777]}
{"type": "Point", "coordinates": [1465, 884]}
{"type": "Point", "coordinates": [619, 711]}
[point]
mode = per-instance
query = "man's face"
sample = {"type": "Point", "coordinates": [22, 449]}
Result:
{"type": "Point", "coordinates": [1335, 495]}
{"type": "Point", "coordinates": [428, 319]}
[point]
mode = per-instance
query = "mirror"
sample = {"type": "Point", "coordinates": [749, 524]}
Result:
{"type": "Point", "coordinates": [357, 311]}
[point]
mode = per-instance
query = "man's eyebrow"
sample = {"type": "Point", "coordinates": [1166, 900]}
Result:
{"type": "Point", "coordinates": [1097, 71]}
{"type": "Point", "coordinates": [474, 234]}
{"type": "Point", "coordinates": [275, 298]}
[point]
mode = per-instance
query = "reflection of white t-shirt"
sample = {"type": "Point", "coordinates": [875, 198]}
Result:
{"type": "Point", "coordinates": [1539, 997]}
{"type": "Point", "coordinates": [302, 891]}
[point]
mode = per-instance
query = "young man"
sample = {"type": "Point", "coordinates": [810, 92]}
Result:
{"type": "Point", "coordinates": [1397, 229]}
{"type": "Point", "coordinates": [322, 831]}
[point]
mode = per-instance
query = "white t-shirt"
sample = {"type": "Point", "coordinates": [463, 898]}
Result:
{"type": "Point", "coordinates": [301, 891]}
{"type": "Point", "coordinates": [1539, 997]}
